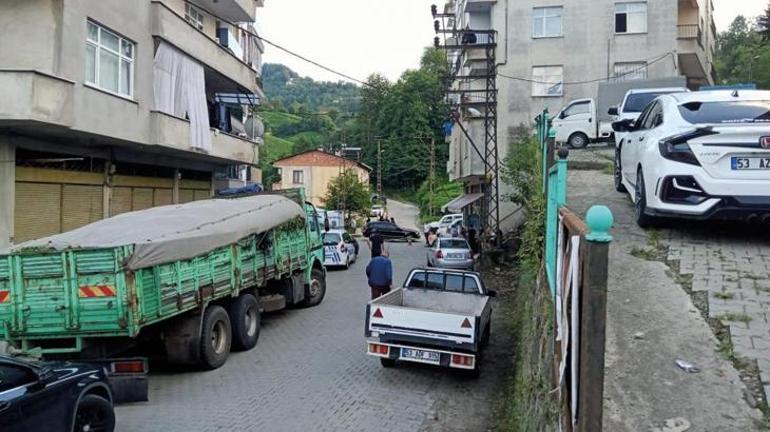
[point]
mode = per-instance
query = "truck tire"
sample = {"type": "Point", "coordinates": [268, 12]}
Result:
{"type": "Point", "coordinates": [387, 362]}
{"type": "Point", "coordinates": [94, 413]}
{"type": "Point", "coordinates": [216, 337]}
{"type": "Point", "coordinates": [245, 320]}
{"type": "Point", "coordinates": [577, 140]}
{"type": "Point", "coordinates": [316, 290]}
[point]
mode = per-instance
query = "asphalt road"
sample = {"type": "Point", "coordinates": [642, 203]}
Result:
{"type": "Point", "coordinates": [309, 372]}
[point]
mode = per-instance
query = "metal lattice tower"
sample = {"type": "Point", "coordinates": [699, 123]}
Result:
{"type": "Point", "coordinates": [463, 46]}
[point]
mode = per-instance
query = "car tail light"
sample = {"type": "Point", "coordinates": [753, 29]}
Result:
{"type": "Point", "coordinates": [379, 349]}
{"type": "Point", "coordinates": [439, 254]}
{"type": "Point", "coordinates": [677, 149]}
{"type": "Point", "coordinates": [462, 360]}
{"type": "Point", "coordinates": [129, 367]}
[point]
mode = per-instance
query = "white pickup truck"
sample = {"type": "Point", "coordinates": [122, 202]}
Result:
{"type": "Point", "coordinates": [440, 317]}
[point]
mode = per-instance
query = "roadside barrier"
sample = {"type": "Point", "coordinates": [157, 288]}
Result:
{"type": "Point", "coordinates": [576, 260]}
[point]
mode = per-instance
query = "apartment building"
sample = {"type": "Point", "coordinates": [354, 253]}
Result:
{"type": "Point", "coordinates": [111, 106]}
{"type": "Point", "coordinates": [548, 52]}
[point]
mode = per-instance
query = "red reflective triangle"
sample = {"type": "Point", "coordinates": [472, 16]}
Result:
{"type": "Point", "coordinates": [377, 313]}
{"type": "Point", "coordinates": [466, 324]}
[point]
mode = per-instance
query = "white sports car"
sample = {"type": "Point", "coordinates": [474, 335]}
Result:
{"type": "Point", "coordinates": [700, 155]}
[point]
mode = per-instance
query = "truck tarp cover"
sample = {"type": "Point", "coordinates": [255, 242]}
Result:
{"type": "Point", "coordinates": [176, 232]}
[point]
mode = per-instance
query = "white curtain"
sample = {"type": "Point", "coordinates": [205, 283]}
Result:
{"type": "Point", "coordinates": [180, 90]}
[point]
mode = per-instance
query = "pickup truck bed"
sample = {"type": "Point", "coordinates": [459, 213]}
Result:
{"type": "Point", "coordinates": [430, 325]}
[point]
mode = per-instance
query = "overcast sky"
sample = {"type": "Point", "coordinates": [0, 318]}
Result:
{"type": "Point", "coordinates": [360, 37]}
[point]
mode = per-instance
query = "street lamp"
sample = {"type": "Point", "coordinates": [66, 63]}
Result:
{"type": "Point", "coordinates": [751, 66]}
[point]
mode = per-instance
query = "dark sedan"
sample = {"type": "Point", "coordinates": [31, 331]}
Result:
{"type": "Point", "coordinates": [55, 396]}
{"type": "Point", "coordinates": [390, 230]}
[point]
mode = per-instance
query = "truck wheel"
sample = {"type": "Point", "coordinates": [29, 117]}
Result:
{"type": "Point", "coordinates": [577, 140]}
{"type": "Point", "coordinates": [388, 363]}
{"type": "Point", "coordinates": [245, 319]}
{"type": "Point", "coordinates": [216, 336]}
{"type": "Point", "coordinates": [315, 292]}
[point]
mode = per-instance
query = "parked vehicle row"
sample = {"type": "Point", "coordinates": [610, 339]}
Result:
{"type": "Point", "coordinates": [699, 155]}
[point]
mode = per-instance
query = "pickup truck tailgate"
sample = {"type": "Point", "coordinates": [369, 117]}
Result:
{"type": "Point", "coordinates": [395, 322]}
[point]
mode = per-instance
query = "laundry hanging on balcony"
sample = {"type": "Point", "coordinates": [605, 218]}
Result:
{"type": "Point", "coordinates": [180, 90]}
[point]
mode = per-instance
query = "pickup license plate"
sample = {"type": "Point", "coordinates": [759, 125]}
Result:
{"type": "Point", "coordinates": [750, 163]}
{"type": "Point", "coordinates": [423, 356]}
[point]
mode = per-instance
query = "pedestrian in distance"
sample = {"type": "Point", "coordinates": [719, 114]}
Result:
{"type": "Point", "coordinates": [379, 273]}
{"type": "Point", "coordinates": [393, 220]}
{"type": "Point", "coordinates": [376, 243]}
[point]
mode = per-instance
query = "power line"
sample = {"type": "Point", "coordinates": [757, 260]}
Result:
{"type": "Point", "coordinates": [631, 72]}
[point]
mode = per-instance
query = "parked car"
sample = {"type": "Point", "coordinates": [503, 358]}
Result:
{"type": "Point", "coordinates": [452, 230]}
{"type": "Point", "coordinates": [390, 230]}
{"type": "Point", "coordinates": [377, 211]}
{"type": "Point", "coordinates": [699, 155]}
{"type": "Point", "coordinates": [451, 253]}
{"type": "Point", "coordinates": [339, 249]}
{"type": "Point", "coordinates": [634, 102]}
{"type": "Point", "coordinates": [577, 124]}
{"type": "Point", "coordinates": [446, 221]}
{"type": "Point", "coordinates": [54, 397]}
{"type": "Point", "coordinates": [439, 317]}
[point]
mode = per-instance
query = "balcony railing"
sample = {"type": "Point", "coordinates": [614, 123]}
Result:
{"type": "Point", "coordinates": [690, 31]}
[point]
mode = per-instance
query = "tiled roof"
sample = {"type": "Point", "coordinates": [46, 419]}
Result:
{"type": "Point", "coordinates": [318, 158]}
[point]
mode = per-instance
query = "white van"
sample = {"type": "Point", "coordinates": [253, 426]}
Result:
{"type": "Point", "coordinates": [577, 124]}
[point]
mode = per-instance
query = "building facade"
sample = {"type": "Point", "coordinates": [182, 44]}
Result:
{"type": "Point", "coordinates": [314, 170]}
{"type": "Point", "coordinates": [547, 53]}
{"type": "Point", "coordinates": [122, 105]}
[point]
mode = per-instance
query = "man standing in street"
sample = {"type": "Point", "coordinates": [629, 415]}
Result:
{"type": "Point", "coordinates": [380, 275]}
{"type": "Point", "coordinates": [376, 242]}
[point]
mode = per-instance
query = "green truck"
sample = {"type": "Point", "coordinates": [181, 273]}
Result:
{"type": "Point", "coordinates": [193, 278]}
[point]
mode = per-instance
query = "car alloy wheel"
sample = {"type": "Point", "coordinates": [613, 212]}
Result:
{"type": "Point", "coordinates": [618, 173]}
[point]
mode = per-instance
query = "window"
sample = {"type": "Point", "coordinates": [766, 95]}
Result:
{"type": "Point", "coordinates": [454, 283]}
{"type": "Point", "coordinates": [109, 61]}
{"type": "Point", "coordinates": [636, 102]}
{"type": "Point", "coordinates": [331, 239]}
{"type": "Point", "coordinates": [631, 17]}
{"type": "Point", "coordinates": [435, 281]}
{"type": "Point", "coordinates": [629, 71]}
{"type": "Point", "coordinates": [546, 22]}
{"type": "Point", "coordinates": [193, 15]}
{"type": "Point", "coordinates": [577, 108]}
{"type": "Point", "coordinates": [547, 80]}
{"type": "Point", "coordinates": [654, 117]}
{"type": "Point", "coordinates": [12, 376]}
{"type": "Point", "coordinates": [642, 121]}
{"type": "Point", "coordinates": [297, 177]}
{"type": "Point", "coordinates": [726, 112]}
{"type": "Point", "coordinates": [417, 281]}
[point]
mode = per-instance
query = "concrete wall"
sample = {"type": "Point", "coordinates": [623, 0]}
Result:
{"type": "Point", "coordinates": [35, 25]}
{"type": "Point", "coordinates": [7, 183]}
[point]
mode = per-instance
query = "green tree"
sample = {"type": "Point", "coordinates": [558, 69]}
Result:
{"type": "Point", "coordinates": [347, 193]}
{"type": "Point", "coordinates": [741, 55]}
{"type": "Point", "coordinates": [763, 23]}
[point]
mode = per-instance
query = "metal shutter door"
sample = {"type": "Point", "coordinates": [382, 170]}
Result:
{"type": "Point", "coordinates": [201, 195]}
{"type": "Point", "coordinates": [142, 199]}
{"type": "Point", "coordinates": [81, 205]}
{"type": "Point", "coordinates": [121, 200]}
{"type": "Point", "coordinates": [185, 195]}
{"type": "Point", "coordinates": [162, 197]}
{"type": "Point", "coordinates": [38, 210]}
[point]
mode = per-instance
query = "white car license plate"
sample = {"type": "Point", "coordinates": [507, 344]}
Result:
{"type": "Point", "coordinates": [454, 256]}
{"type": "Point", "coordinates": [750, 163]}
{"type": "Point", "coordinates": [425, 356]}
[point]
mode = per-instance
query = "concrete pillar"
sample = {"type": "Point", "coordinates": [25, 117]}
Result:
{"type": "Point", "coordinates": [7, 190]}
{"type": "Point", "coordinates": [107, 189]}
{"type": "Point", "coordinates": [175, 187]}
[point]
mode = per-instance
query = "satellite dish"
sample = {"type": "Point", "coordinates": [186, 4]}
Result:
{"type": "Point", "coordinates": [254, 129]}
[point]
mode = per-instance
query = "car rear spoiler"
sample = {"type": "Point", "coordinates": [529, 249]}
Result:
{"type": "Point", "coordinates": [127, 377]}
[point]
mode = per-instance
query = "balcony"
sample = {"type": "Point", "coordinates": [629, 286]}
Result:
{"type": "Point", "coordinates": [174, 29]}
{"type": "Point", "coordinates": [36, 98]}
{"type": "Point", "coordinates": [231, 10]}
{"type": "Point", "coordinates": [691, 53]}
{"type": "Point", "coordinates": [479, 5]}
{"type": "Point", "coordinates": [174, 133]}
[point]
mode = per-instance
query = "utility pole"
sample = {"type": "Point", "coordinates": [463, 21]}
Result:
{"type": "Point", "coordinates": [431, 174]}
{"type": "Point", "coordinates": [379, 167]}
